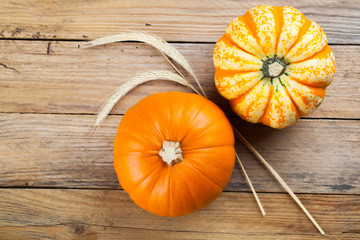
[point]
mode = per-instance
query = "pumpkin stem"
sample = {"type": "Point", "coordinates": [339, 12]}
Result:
{"type": "Point", "coordinates": [171, 152]}
{"type": "Point", "coordinates": [273, 67]}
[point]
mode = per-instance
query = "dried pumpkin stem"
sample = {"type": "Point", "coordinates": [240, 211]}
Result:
{"type": "Point", "coordinates": [171, 152]}
{"type": "Point", "coordinates": [250, 184]}
{"type": "Point", "coordinates": [278, 178]}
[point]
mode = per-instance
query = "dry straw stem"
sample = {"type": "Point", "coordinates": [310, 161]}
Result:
{"type": "Point", "coordinates": [152, 40]}
{"type": "Point", "coordinates": [250, 184]}
{"type": "Point", "coordinates": [278, 178]}
{"type": "Point", "coordinates": [132, 83]}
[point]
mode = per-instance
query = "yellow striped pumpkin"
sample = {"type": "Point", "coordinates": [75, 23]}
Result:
{"type": "Point", "coordinates": [273, 65]}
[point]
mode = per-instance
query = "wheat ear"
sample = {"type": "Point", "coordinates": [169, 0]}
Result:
{"type": "Point", "coordinates": [153, 40]}
{"type": "Point", "coordinates": [132, 83]}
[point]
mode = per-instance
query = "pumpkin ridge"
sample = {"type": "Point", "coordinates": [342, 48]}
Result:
{"type": "Point", "coordinates": [236, 100]}
{"type": "Point", "coordinates": [193, 119]}
{"type": "Point", "coordinates": [306, 84]}
{"type": "Point", "coordinates": [153, 127]}
{"type": "Point", "coordinates": [168, 107]}
{"type": "Point", "coordinates": [238, 46]}
{"type": "Point", "coordinates": [169, 191]}
{"type": "Point", "coordinates": [223, 74]}
{"type": "Point", "coordinates": [188, 189]}
{"type": "Point", "coordinates": [246, 91]}
{"type": "Point", "coordinates": [195, 160]}
{"type": "Point", "coordinates": [186, 151]}
{"type": "Point", "coordinates": [324, 49]}
{"type": "Point", "coordinates": [134, 136]}
{"type": "Point", "coordinates": [271, 93]}
{"type": "Point", "coordinates": [302, 31]}
{"type": "Point", "coordinates": [172, 108]}
{"type": "Point", "coordinates": [207, 128]}
{"type": "Point", "coordinates": [156, 166]}
{"type": "Point", "coordinates": [155, 183]}
{"type": "Point", "coordinates": [279, 21]}
{"type": "Point", "coordinates": [222, 71]}
{"type": "Point", "coordinates": [312, 104]}
{"type": "Point", "coordinates": [197, 170]}
{"type": "Point", "coordinates": [291, 99]}
{"type": "Point", "coordinates": [142, 112]}
{"type": "Point", "coordinates": [247, 22]}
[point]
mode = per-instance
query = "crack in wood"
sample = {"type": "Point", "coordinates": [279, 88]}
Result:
{"type": "Point", "coordinates": [2, 64]}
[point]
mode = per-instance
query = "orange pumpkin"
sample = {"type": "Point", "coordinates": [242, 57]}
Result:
{"type": "Point", "coordinates": [174, 153]}
{"type": "Point", "coordinates": [273, 65]}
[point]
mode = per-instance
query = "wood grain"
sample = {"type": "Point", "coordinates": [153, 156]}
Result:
{"type": "Point", "coordinates": [93, 214]}
{"type": "Point", "coordinates": [58, 182]}
{"type": "Point", "coordinates": [59, 77]}
{"type": "Point", "coordinates": [190, 21]}
{"type": "Point", "coordinates": [51, 150]}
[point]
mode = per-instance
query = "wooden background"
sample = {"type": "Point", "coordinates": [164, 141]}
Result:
{"type": "Point", "coordinates": [58, 182]}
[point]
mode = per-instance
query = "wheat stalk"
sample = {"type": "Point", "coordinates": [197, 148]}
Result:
{"type": "Point", "coordinates": [250, 184]}
{"type": "Point", "coordinates": [132, 83]}
{"type": "Point", "coordinates": [153, 40]}
{"type": "Point", "coordinates": [278, 178]}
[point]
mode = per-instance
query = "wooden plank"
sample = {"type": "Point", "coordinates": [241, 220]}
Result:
{"type": "Point", "coordinates": [54, 150]}
{"type": "Point", "coordinates": [93, 214]}
{"type": "Point", "coordinates": [194, 21]}
{"type": "Point", "coordinates": [58, 77]}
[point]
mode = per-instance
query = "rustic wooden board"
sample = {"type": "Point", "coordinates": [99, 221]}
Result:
{"type": "Point", "coordinates": [105, 214]}
{"type": "Point", "coordinates": [57, 181]}
{"type": "Point", "coordinates": [191, 21]}
{"type": "Point", "coordinates": [54, 150]}
{"type": "Point", "coordinates": [58, 77]}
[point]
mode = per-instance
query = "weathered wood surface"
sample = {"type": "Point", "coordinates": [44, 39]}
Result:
{"type": "Point", "coordinates": [106, 214]}
{"type": "Point", "coordinates": [57, 181]}
{"type": "Point", "coordinates": [42, 150]}
{"type": "Point", "coordinates": [59, 77]}
{"type": "Point", "coordinates": [191, 21]}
